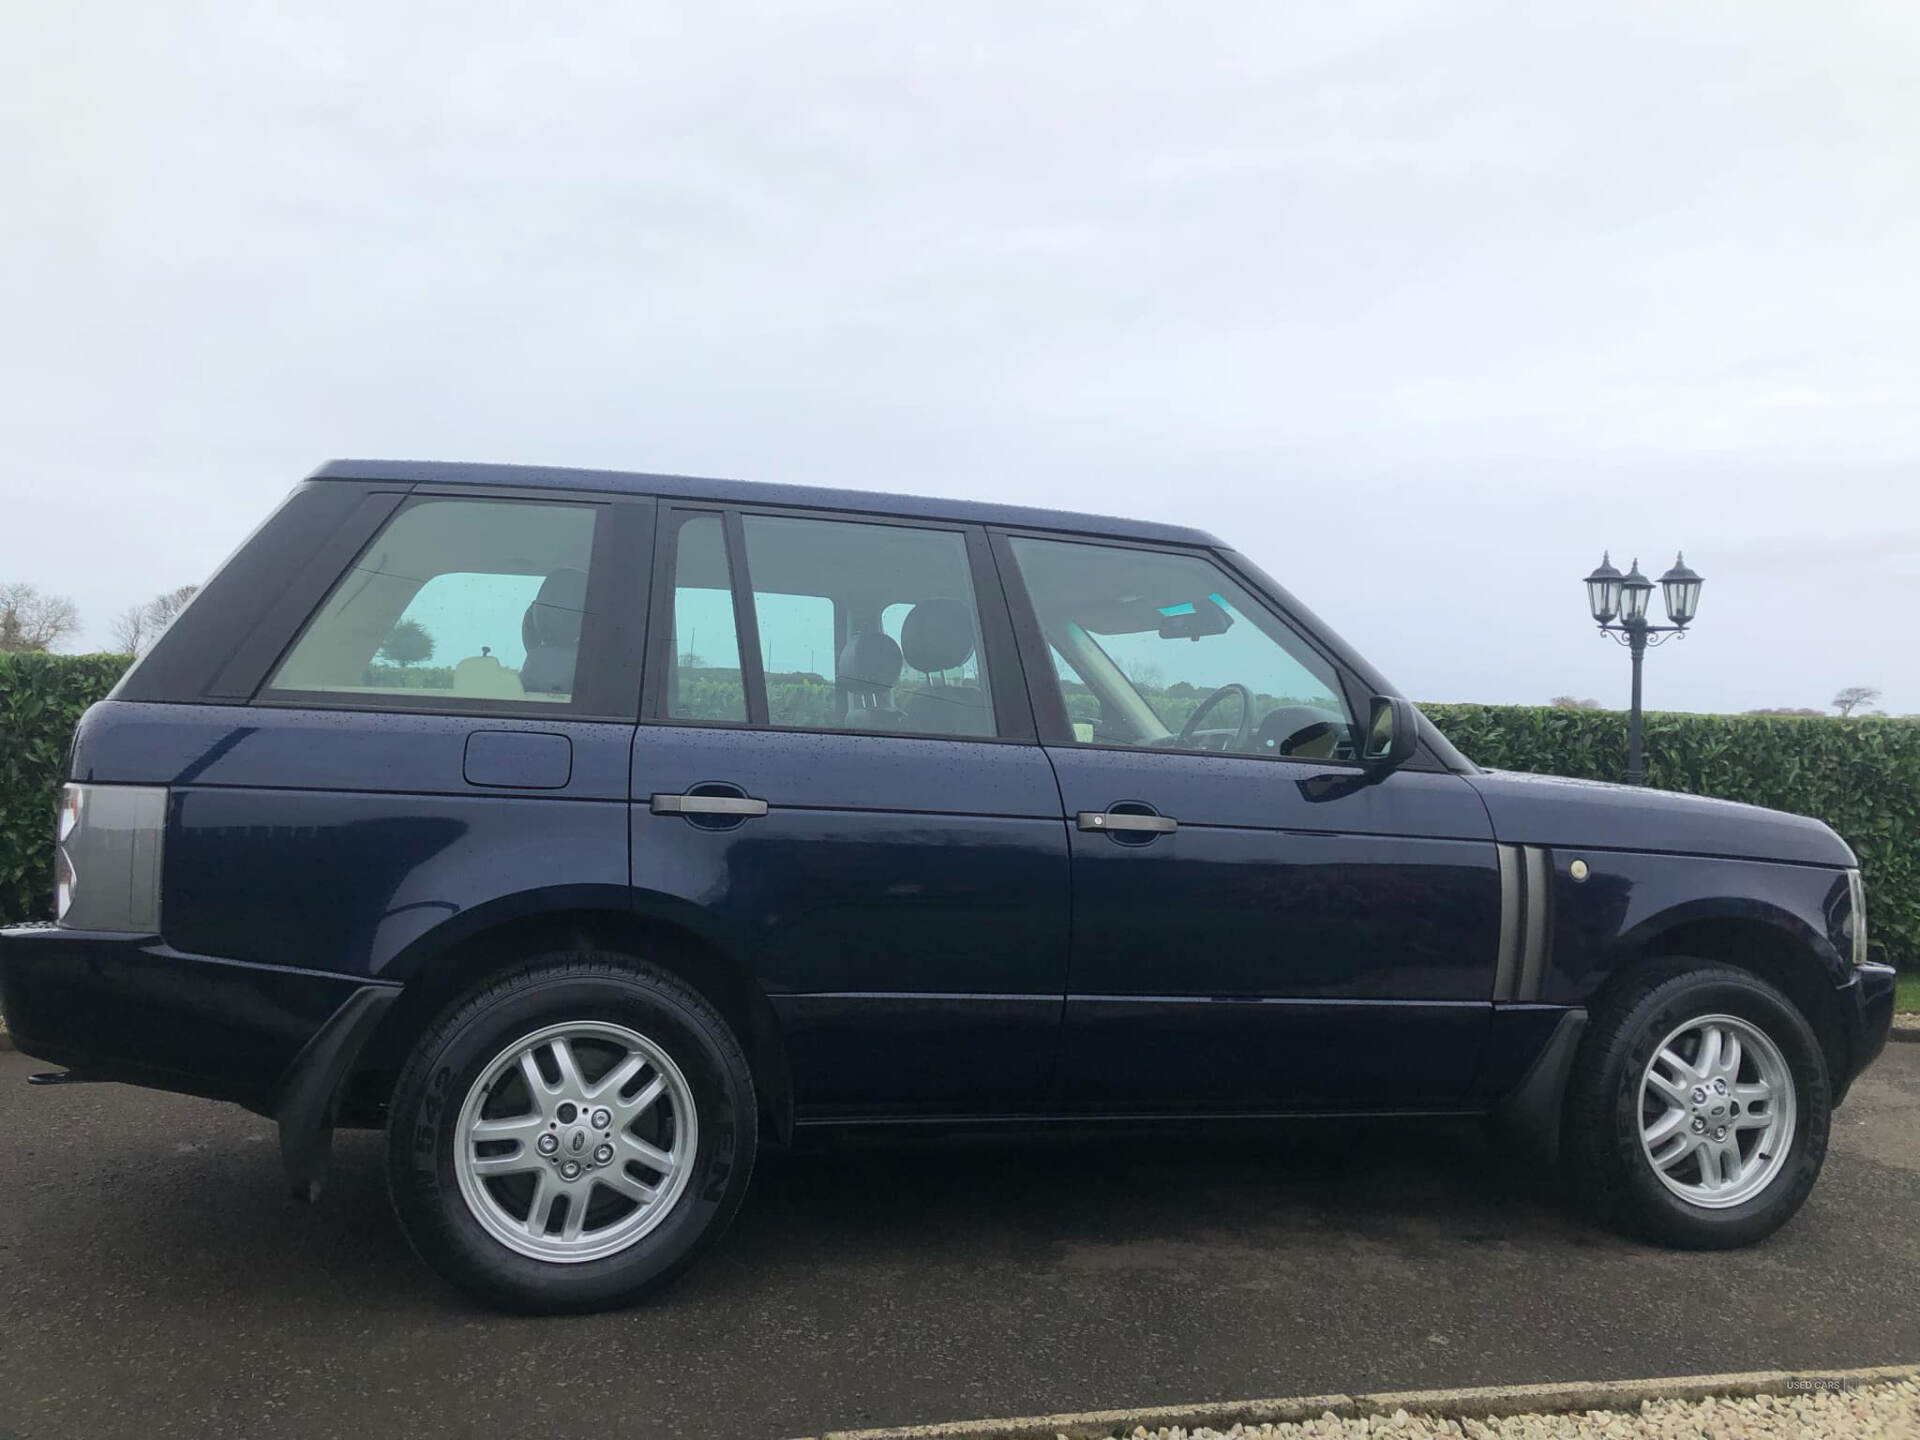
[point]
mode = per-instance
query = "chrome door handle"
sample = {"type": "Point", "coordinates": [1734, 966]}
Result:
{"type": "Point", "coordinates": [707, 805]}
{"type": "Point", "coordinates": [1108, 820]}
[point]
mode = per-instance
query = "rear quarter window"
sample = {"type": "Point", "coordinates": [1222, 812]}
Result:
{"type": "Point", "coordinates": [455, 602]}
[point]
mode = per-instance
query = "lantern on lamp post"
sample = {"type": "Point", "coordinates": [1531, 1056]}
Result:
{"type": "Point", "coordinates": [1619, 607]}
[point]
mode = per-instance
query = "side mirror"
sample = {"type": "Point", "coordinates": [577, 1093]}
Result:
{"type": "Point", "coordinates": [1393, 732]}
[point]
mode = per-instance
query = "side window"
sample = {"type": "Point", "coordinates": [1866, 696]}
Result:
{"type": "Point", "coordinates": [455, 599]}
{"type": "Point", "coordinates": [1167, 651]}
{"type": "Point", "coordinates": [823, 592]}
{"type": "Point", "coordinates": [1083, 706]}
{"type": "Point", "coordinates": [704, 682]}
{"type": "Point", "coordinates": [796, 653]}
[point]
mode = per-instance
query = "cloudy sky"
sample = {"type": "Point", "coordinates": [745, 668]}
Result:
{"type": "Point", "coordinates": [1421, 305]}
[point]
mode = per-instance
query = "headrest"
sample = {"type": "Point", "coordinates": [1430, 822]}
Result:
{"type": "Point", "coordinates": [1299, 724]}
{"type": "Point", "coordinates": [937, 635]}
{"type": "Point", "coordinates": [554, 616]}
{"type": "Point", "coordinates": [869, 664]}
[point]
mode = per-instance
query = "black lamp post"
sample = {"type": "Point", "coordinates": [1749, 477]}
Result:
{"type": "Point", "coordinates": [1619, 606]}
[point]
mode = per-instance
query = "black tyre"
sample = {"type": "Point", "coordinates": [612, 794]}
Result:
{"type": "Point", "coordinates": [571, 1135]}
{"type": "Point", "coordinates": [1698, 1109]}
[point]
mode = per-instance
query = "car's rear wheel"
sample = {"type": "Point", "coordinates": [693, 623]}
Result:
{"type": "Point", "coordinates": [1699, 1106]}
{"type": "Point", "coordinates": [571, 1135]}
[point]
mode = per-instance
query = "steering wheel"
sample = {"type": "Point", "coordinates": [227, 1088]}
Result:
{"type": "Point", "coordinates": [1192, 727]}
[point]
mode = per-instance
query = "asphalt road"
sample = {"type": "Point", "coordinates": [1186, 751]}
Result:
{"type": "Point", "coordinates": [156, 1280]}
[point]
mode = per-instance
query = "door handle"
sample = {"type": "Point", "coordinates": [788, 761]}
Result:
{"type": "Point", "coordinates": [1109, 820]}
{"type": "Point", "coordinates": [740, 805]}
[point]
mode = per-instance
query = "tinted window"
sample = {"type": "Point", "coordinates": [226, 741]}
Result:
{"type": "Point", "coordinates": [705, 681]}
{"type": "Point", "coordinates": [464, 599]}
{"type": "Point", "coordinates": [867, 627]}
{"type": "Point", "coordinates": [1161, 650]}
{"type": "Point", "coordinates": [796, 652]}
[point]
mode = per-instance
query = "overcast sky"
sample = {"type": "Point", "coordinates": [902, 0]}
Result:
{"type": "Point", "coordinates": [1420, 305]}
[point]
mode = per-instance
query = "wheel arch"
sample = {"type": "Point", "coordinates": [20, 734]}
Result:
{"type": "Point", "coordinates": [659, 930]}
{"type": "Point", "coordinates": [1769, 942]}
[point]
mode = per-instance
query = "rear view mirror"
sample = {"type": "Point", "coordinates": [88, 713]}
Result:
{"type": "Point", "coordinates": [1393, 732]}
{"type": "Point", "coordinates": [1191, 619]}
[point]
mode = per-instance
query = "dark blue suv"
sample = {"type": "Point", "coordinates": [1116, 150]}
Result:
{"type": "Point", "coordinates": [589, 830]}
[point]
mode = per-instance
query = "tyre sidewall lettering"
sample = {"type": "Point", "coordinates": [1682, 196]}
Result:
{"type": "Point", "coordinates": [720, 1167]}
{"type": "Point", "coordinates": [433, 1105]}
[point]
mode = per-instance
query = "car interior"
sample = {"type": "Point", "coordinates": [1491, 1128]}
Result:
{"type": "Point", "coordinates": [1151, 653]}
{"type": "Point", "coordinates": [890, 608]}
{"type": "Point", "coordinates": [495, 593]}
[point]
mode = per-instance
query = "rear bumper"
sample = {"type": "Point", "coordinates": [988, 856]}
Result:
{"type": "Point", "coordinates": [128, 1007]}
{"type": "Point", "coordinates": [1866, 1008]}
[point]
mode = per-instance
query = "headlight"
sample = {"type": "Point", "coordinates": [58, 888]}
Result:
{"type": "Point", "coordinates": [1856, 923]}
{"type": "Point", "coordinates": [107, 867]}
{"type": "Point", "coordinates": [63, 885]}
{"type": "Point", "coordinates": [70, 799]}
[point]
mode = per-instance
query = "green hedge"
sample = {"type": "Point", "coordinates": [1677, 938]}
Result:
{"type": "Point", "coordinates": [41, 697]}
{"type": "Point", "coordinates": [1860, 776]}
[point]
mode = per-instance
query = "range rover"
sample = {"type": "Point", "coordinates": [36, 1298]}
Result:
{"type": "Point", "coordinates": [588, 831]}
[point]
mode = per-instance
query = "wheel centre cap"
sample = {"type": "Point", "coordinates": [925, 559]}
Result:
{"type": "Point", "coordinates": [576, 1143]}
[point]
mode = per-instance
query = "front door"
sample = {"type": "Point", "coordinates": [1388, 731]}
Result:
{"type": "Point", "coordinates": [838, 781]}
{"type": "Point", "coordinates": [1259, 922]}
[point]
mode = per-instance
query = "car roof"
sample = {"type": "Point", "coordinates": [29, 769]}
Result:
{"type": "Point", "coordinates": [748, 492]}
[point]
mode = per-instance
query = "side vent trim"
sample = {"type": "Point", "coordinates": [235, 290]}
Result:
{"type": "Point", "coordinates": [1507, 967]}
{"type": "Point", "coordinates": [1526, 923]}
{"type": "Point", "coordinates": [1539, 899]}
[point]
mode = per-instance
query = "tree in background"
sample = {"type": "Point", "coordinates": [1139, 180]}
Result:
{"type": "Point", "coordinates": [138, 626]}
{"type": "Point", "coordinates": [128, 633]}
{"type": "Point", "coordinates": [1853, 697]}
{"type": "Point", "coordinates": [1568, 702]}
{"type": "Point", "coordinates": [1799, 710]}
{"type": "Point", "coordinates": [166, 608]}
{"type": "Point", "coordinates": [32, 621]}
{"type": "Point", "coordinates": [408, 643]}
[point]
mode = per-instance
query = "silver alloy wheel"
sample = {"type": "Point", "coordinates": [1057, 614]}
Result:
{"type": "Point", "coordinates": [575, 1141]}
{"type": "Point", "coordinates": [1717, 1111]}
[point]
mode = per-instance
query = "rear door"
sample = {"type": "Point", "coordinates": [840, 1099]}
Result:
{"type": "Point", "coordinates": [1258, 921]}
{"type": "Point", "coordinates": [837, 778]}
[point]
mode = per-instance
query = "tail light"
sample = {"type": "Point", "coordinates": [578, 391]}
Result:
{"type": "Point", "coordinates": [107, 868]}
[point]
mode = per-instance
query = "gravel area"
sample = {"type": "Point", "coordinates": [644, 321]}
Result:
{"type": "Point", "coordinates": [1869, 1412]}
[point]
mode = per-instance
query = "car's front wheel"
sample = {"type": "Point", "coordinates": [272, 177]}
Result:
{"type": "Point", "coordinates": [571, 1135]}
{"type": "Point", "coordinates": [1699, 1107]}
